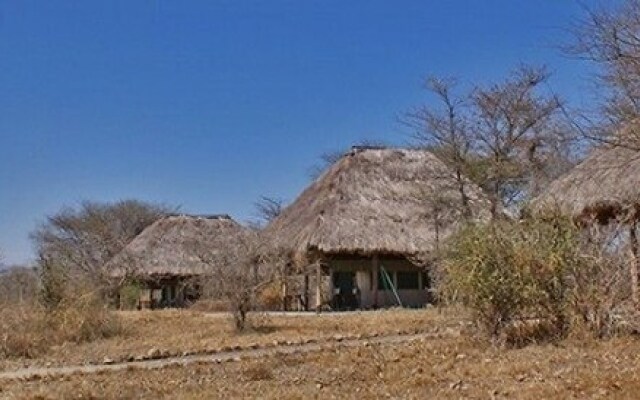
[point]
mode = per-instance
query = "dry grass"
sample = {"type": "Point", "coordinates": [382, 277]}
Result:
{"type": "Point", "coordinates": [177, 331]}
{"type": "Point", "coordinates": [453, 367]}
{"type": "Point", "coordinates": [28, 331]}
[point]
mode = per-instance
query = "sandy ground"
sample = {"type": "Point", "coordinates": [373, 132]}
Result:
{"type": "Point", "coordinates": [445, 367]}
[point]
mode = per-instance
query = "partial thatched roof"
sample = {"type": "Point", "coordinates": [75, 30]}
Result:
{"type": "Point", "coordinates": [169, 246]}
{"type": "Point", "coordinates": [374, 201]}
{"type": "Point", "coordinates": [604, 185]}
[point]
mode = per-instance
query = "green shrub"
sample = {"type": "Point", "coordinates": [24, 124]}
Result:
{"type": "Point", "coordinates": [130, 295]}
{"type": "Point", "coordinates": [529, 280]}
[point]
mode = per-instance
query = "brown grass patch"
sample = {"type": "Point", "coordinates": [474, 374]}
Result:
{"type": "Point", "coordinates": [29, 331]}
{"type": "Point", "coordinates": [177, 331]}
{"type": "Point", "coordinates": [447, 368]}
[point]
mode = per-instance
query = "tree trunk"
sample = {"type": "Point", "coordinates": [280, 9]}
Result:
{"type": "Point", "coordinates": [633, 241]}
{"type": "Point", "coordinates": [466, 208]}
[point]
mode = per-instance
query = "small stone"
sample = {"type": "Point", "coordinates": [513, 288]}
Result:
{"type": "Point", "coordinates": [319, 386]}
{"type": "Point", "coordinates": [456, 385]}
{"type": "Point", "coordinates": [107, 361]}
{"type": "Point", "coordinates": [461, 357]}
{"type": "Point", "coordinates": [154, 353]}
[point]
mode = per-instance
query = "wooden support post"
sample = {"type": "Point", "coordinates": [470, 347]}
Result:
{"type": "Point", "coordinates": [284, 293]}
{"type": "Point", "coordinates": [375, 265]}
{"type": "Point", "coordinates": [305, 291]}
{"type": "Point", "coordinates": [318, 286]}
{"type": "Point", "coordinates": [633, 241]}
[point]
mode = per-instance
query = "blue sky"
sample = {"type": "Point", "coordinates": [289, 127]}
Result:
{"type": "Point", "coordinates": [210, 104]}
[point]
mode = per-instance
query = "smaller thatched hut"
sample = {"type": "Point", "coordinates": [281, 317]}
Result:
{"type": "Point", "coordinates": [371, 221]}
{"type": "Point", "coordinates": [605, 186]}
{"type": "Point", "coordinates": [163, 260]}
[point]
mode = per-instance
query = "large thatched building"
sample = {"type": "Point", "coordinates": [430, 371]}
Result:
{"type": "Point", "coordinates": [371, 220]}
{"type": "Point", "coordinates": [165, 260]}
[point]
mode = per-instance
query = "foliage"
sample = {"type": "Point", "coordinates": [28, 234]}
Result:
{"type": "Point", "coordinates": [529, 280]}
{"type": "Point", "coordinates": [610, 38]}
{"type": "Point", "coordinates": [507, 137]}
{"type": "Point", "coordinates": [130, 295]}
{"type": "Point", "coordinates": [74, 244]}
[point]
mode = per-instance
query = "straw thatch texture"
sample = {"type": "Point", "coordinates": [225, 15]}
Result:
{"type": "Point", "coordinates": [374, 201]}
{"type": "Point", "coordinates": [604, 186]}
{"type": "Point", "coordinates": [169, 246]}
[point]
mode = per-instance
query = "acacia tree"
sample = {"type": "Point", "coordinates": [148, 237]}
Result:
{"type": "Point", "coordinates": [502, 137]}
{"type": "Point", "coordinates": [610, 38]}
{"type": "Point", "coordinates": [74, 244]}
{"type": "Point", "coordinates": [445, 131]}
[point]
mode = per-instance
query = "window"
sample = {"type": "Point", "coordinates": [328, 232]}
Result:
{"type": "Point", "coordinates": [408, 279]}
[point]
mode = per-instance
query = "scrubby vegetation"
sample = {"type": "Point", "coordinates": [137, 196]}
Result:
{"type": "Point", "coordinates": [30, 330]}
{"type": "Point", "coordinates": [537, 279]}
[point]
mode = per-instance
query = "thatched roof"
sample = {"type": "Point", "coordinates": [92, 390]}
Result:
{"type": "Point", "coordinates": [605, 185]}
{"type": "Point", "coordinates": [374, 201]}
{"type": "Point", "coordinates": [169, 246]}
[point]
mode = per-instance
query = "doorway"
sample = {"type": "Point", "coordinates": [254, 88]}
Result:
{"type": "Point", "coordinates": [346, 293]}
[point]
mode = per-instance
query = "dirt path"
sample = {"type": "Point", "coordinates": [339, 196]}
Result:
{"type": "Point", "coordinates": [237, 355]}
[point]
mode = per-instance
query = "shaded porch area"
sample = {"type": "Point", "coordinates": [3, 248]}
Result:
{"type": "Point", "coordinates": [376, 282]}
{"type": "Point", "coordinates": [161, 292]}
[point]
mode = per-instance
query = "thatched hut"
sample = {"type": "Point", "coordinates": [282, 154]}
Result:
{"type": "Point", "coordinates": [370, 221]}
{"type": "Point", "coordinates": [164, 261]}
{"type": "Point", "coordinates": [605, 186]}
{"type": "Point", "coordinates": [603, 189]}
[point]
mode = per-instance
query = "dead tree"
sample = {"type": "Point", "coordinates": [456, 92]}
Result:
{"type": "Point", "coordinates": [237, 273]}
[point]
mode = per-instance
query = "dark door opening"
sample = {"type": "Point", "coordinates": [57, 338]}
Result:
{"type": "Point", "coordinates": [345, 295]}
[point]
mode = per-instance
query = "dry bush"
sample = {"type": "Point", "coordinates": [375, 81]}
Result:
{"type": "Point", "coordinates": [270, 297]}
{"type": "Point", "coordinates": [599, 285]}
{"type": "Point", "coordinates": [22, 331]}
{"type": "Point", "coordinates": [535, 280]}
{"type": "Point", "coordinates": [30, 330]}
